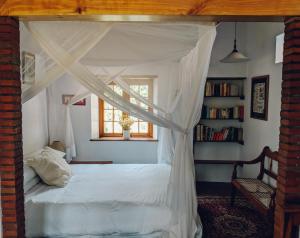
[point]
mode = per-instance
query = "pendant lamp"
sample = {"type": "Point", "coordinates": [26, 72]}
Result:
{"type": "Point", "coordinates": [235, 56]}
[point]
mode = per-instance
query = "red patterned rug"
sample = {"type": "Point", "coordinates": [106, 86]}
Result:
{"type": "Point", "coordinates": [220, 220]}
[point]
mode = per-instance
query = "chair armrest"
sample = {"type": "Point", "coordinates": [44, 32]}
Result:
{"type": "Point", "coordinates": [255, 161]}
{"type": "Point", "coordinates": [259, 159]}
{"type": "Point", "coordinates": [242, 163]}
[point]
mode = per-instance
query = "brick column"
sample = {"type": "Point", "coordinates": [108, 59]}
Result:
{"type": "Point", "coordinates": [288, 192]}
{"type": "Point", "coordinates": [11, 156]}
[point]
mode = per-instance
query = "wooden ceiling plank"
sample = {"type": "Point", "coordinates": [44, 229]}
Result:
{"type": "Point", "coordinates": [150, 7]}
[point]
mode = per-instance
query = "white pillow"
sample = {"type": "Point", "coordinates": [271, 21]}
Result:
{"type": "Point", "coordinates": [30, 178]}
{"type": "Point", "coordinates": [51, 167]}
{"type": "Point", "coordinates": [31, 183]}
{"type": "Point", "coordinates": [35, 153]}
{"type": "Point", "coordinates": [57, 152]}
{"type": "Point", "coordinates": [29, 173]}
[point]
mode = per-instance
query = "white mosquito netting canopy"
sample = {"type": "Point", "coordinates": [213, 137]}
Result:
{"type": "Point", "coordinates": [70, 47]}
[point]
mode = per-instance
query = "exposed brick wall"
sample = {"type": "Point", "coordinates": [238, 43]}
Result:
{"type": "Point", "coordinates": [288, 191]}
{"type": "Point", "coordinates": [11, 156]}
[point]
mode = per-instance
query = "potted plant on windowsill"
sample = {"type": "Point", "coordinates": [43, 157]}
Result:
{"type": "Point", "coordinates": [126, 122]}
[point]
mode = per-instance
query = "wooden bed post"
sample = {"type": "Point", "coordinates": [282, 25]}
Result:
{"type": "Point", "coordinates": [11, 155]}
{"type": "Point", "coordinates": [288, 192]}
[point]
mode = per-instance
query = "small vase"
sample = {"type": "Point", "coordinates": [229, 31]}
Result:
{"type": "Point", "coordinates": [126, 134]}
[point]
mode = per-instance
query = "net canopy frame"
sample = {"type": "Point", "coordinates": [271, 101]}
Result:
{"type": "Point", "coordinates": [69, 47]}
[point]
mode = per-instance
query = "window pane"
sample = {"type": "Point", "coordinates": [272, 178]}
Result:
{"type": "Point", "coordinates": [107, 106]}
{"type": "Point", "coordinates": [134, 118]}
{"type": "Point", "coordinates": [135, 127]}
{"type": "Point", "coordinates": [143, 127]}
{"type": "Point", "coordinates": [135, 88]}
{"type": "Point", "coordinates": [117, 128]}
{"type": "Point", "coordinates": [144, 106]}
{"type": "Point", "coordinates": [117, 115]}
{"type": "Point", "coordinates": [108, 127]}
{"type": "Point", "coordinates": [112, 115]}
{"type": "Point", "coordinates": [133, 100]}
{"type": "Point", "coordinates": [118, 90]}
{"type": "Point", "coordinates": [108, 115]}
{"type": "Point", "coordinates": [144, 90]}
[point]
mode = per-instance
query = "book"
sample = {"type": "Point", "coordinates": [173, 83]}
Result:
{"type": "Point", "coordinates": [222, 89]}
{"type": "Point", "coordinates": [236, 112]}
{"type": "Point", "coordinates": [234, 90]}
{"type": "Point", "coordinates": [205, 133]}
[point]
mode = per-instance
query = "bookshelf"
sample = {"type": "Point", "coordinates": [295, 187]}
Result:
{"type": "Point", "coordinates": [222, 119]}
{"type": "Point", "coordinates": [241, 142]}
{"type": "Point", "coordinates": [225, 78]}
{"type": "Point", "coordinates": [242, 97]}
{"type": "Point", "coordinates": [225, 87]}
{"type": "Point", "coordinates": [217, 91]}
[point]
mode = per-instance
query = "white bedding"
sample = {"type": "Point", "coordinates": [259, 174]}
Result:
{"type": "Point", "coordinates": [115, 200]}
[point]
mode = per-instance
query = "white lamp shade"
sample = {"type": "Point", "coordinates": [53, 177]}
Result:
{"type": "Point", "coordinates": [235, 57]}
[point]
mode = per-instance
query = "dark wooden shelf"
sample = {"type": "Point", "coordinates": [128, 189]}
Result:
{"type": "Point", "coordinates": [200, 161]}
{"type": "Point", "coordinates": [225, 78]}
{"type": "Point", "coordinates": [223, 119]}
{"type": "Point", "coordinates": [220, 141]}
{"type": "Point", "coordinates": [241, 97]}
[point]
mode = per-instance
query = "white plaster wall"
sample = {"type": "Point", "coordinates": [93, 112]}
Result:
{"type": "Point", "coordinates": [117, 151]}
{"type": "Point", "coordinates": [34, 124]}
{"type": "Point", "coordinates": [231, 151]}
{"type": "Point", "coordinates": [261, 50]}
{"type": "Point", "coordinates": [254, 39]}
{"type": "Point", "coordinates": [223, 46]}
{"type": "Point", "coordinates": [34, 111]}
{"type": "Point", "coordinates": [257, 40]}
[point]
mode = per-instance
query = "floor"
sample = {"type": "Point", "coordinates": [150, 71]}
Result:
{"type": "Point", "coordinates": [213, 188]}
{"type": "Point", "coordinates": [221, 220]}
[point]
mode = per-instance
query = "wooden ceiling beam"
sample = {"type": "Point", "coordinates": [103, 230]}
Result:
{"type": "Point", "coordinates": [202, 8]}
{"type": "Point", "coordinates": [154, 18]}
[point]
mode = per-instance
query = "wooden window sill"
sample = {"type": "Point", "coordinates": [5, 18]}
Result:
{"type": "Point", "coordinates": [200, 161]}
{"type": "Point", "coordinates": [122, 139]}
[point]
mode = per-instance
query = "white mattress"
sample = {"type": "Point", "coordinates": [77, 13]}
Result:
{"type": "Point", "coordinates": [115, 200]}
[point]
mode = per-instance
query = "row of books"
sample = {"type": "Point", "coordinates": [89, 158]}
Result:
{"type": "Point", "coordinates": [236, 112]}
{"type": "Point", "coordinates": [205, 133]}
{"type": "Point", "coordinates": [221, 89]}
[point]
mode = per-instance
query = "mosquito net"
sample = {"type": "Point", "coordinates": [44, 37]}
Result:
{"type": "Point", "coordinates": [72, 47]}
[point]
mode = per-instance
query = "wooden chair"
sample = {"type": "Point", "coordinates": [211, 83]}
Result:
{"type": "Point", "coordinates": [259, 193]}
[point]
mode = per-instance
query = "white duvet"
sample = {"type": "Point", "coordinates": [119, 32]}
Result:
{"type": "Point", "coordinates": [102, 201]}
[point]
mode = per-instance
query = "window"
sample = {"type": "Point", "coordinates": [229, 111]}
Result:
{"type": "Point", "coordinates": [110, 116]}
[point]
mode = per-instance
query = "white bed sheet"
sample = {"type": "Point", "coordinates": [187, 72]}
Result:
{"type": "Point", "coordinates": [115, 200]}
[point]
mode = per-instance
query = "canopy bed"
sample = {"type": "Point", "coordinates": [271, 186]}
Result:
{"type": "Point", "coordinates": [68, 47]}
{"type": "Point", "coordinates": [113, 200]}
